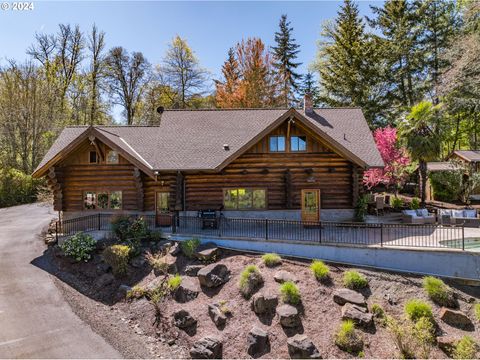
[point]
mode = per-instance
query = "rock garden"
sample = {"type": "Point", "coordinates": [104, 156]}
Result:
{"type": "Point", "coordinates": [200, 301]}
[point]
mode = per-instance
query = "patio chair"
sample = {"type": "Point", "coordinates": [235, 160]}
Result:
{"type": "Point", "coordinates": [465, 217]}
{"type": "Point", "coordinates": [420, 216]}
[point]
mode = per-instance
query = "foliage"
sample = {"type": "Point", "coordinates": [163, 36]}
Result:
{"type": "Point", "coordinates": [250, 280]}
{"type": "Point", "coordinates": [466, 348]}
{"type": "Point", "coordinates": [157, 262]}
{"type": "Point", "coordinates": [438, 291]}
{"type": "Point", "coordinates": [290, 293]}
{"type": "Point", "coordinates": [80, 246]}
{"type": "Point", "coordinates": [346, 337]}
{"type": "Point", "coordinates": [361, 208]}
{"type": "Point", "coordinates": [477, 311]}
{"type": "Point", "coordinates": [413, 339]}
{"type": "Point", "coordinates": [416, 309]}
{"type": "Point", "coordinates": [271, 259]}
{"type": "Point", "coordinates": [136, 292]}
{"type": "Point", "coordinates": [309, 86]}
{"type": "Point", "coordinates": [395, 158]}
{"type": "Point", "coordinates": [396, 202]}
{"type": "Point", "coordinates": [130, 230]}
{"type": "Point", "coordinates": [189, 247]}
{"type": "Point", "coordinates": [117, 257]}
{"type": "Point", "coordinates": [415, 204]}
{"type": "Point", "coordinates": [354, 280]}
{"type": "Point", "coordinates": [17, 187]}
{"type": "Point", "coordinates": [319, 270]}
{"type": "Point", "coordinates": [174, 282]}
{"type": "Point", "coordinates": [377, 311]}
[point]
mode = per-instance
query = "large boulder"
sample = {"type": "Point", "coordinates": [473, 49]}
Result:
{"type": "Point", "coordinates": [447, 343]}
{"type": "Point", "coordinates": [183, 319]}
{"type": "Point", "coordinates": [171, 262]}
{"type": "Point", "coordinates": [301, 347]}
{"type": "Point", "coordinates": [207, 252]}
{"type": "Point", "coordinates": [174, 249]}
{"type": "Point", "coordinates": [208, 347]}
{"type": "Point", "coordinates": [216, 314]}
{"type": "Point", "coordinates": [213, 275]}
{"type": "Point", "coordinates": [455, 318]}
{"type": "Point", "coordinates": [188, 290]}
{"type": "Point", "coordinates": [192, 270]}
{"type": "Point", "coordinates": [343, 296]}
{"type": "Point", "coordinates": [357, 314]}
{"type": "Point", "coordinates": [257, 342]}
{"type": "Point", "coordinates": [264, 303]}
{"type": "Point", "coordinates": [282, 276]}
{"type": "Point", "coordinates": [288, 316]}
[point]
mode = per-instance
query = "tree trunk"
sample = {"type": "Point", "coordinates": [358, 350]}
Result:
{"type": "Point", "coordinates": [423, 182]}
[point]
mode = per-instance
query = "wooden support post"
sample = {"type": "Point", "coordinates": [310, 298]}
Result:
{"type": "Point", "coordinates": [179, 183]}
{"type": "Point", "coordinates": [288, 189]}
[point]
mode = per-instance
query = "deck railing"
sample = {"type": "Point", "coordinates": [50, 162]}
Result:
{"type": "Point", "coordinates": [324, 232]}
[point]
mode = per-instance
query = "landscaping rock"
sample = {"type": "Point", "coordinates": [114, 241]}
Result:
{"type": "Point", "coordinates": [183, 319]}
{"type": "Point", "coordinates": [288, 315]}
{"type": "Point", "coordinates": [172, 263]}
{"type": "Point", "coordinates": [252, 284]}
{"type": "Point", "coordinates": [208, 347]}
{"type": "Point", "coordinates": [192, 270]}
{"type": "Point", "coordinates": [301, 347]}
{"type": "Point", "coordinates": [264, 303]}
{"type": "Point", "coordinates": [447, 343]}
{"type": "Point", "coordinates": [138, 261]}
{"type": "Point", "coordinates": [283, 276]}
{"type": "Point", "coordinates": [213, 275]}
{"type": "Point", "coordinates": [124, 289]}
{"type": "Point", "coordinates": [104, 280]}
{"type": "Point", "coordinates": [216, 314]}
{"type": "Point", "coordinates": [257, 342]}
{"type": "Point", "coordinates": [174, 249]}
{"type": "Point", "coordinates": [188, 290]}
{"type": "Point", "coordinates": [455, 318]}
{"type": "Point", "coordinates": [343, 296]}
{"type": "Point", "coordinates": [357, 314]}
{"type": "Point", "coordinates": [207, 252]}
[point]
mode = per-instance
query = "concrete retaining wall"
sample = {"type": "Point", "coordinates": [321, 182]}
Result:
{"type": "Point", "coordinates": [445, 263]}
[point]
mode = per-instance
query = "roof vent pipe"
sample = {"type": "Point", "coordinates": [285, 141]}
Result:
{"type": "Point", "coordinates": [307, 104]}
{"type": "Point", "coordinates": [155, 120]}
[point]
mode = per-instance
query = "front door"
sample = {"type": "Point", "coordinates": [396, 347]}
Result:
{"type": "Point", "coordinates": [311, 205]}
{"type": "Point", "coordinates": [163, 215]}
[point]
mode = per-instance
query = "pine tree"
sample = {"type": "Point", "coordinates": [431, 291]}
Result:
{"type": "Point", "coordinates": [284, 55]}
{"type": "Point", "coordinates": [227, 90]}
{"type": "Point", "coordinates": [309, 86]}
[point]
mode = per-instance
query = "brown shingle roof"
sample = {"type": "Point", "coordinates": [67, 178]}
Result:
{"type": "Point", "coordinates": [468, 155]}
{"type": "Point", "coordinates": [193, 140]}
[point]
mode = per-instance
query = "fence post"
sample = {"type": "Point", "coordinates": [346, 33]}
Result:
{"type": "Point", "coordinates": [319, 232]}
{"type": "Point", "coordinates": [381, 234]}
{"type": "Point", "coordinates": [266, 229]}
{"type": "Point", "coordinates": [463, 237]}
{"type": "Point", "coordinates": [174, 223]}
{"type": "Point", "coordinates": [98, 221]}
{"type": "Point", "coordinates": [56, 231]}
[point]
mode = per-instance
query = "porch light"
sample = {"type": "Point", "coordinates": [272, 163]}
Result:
{"type": "Point", "coordinates": [332, 170]}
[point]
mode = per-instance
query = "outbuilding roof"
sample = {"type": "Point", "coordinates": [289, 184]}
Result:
{"type": "Point", "coordinates": [468, 155]}
{"type": "Point", "coordinates": [195, 139]}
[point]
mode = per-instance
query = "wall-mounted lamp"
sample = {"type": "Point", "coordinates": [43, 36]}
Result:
{"type": "Point", "coordinates": [332, 170]}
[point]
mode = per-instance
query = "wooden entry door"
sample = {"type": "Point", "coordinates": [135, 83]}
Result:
{"type": "Point", "coordinates": [162, 213]}
{"type": "Point", "coordinates": [311, 205]}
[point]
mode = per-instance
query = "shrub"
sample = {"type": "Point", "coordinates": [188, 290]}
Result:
{"type": "Point", "coordinates": [466, 348]}
{"type": "Point", "coordinates": [377, 311]}
{"type": "Point", "coordinates": [174, 282]}
{"type": "Point", "coordinates": [136, 292]}
{"type": "Point", "coordinates": [271, 260]}
{"type": "Point", "coordinates": [319, 270]}
{"type": "Point", "coordinates": [415, 204]}
{"type": "Point", "coordinates": [477, 311]}
{"type": "Point", "coordinates": [416, 309]}
{"type": "Point", "coordinates": [402, 336]}
{"type": "Point", "coordinates": [396, 203]}
{"type": "Point", "coordinates": [361, 208]}
{"type": "Point", "coordinates": [223, 307]}
{"type": "Point", "coordinates": [120, 226]}
{"type": "Point", "coordinates": [117, 257]}
{"type": "Point", "coordinates": [348, 339]}
{"type": "Point", "coordinates": [189, 247]}
{"type": "Point", "coordinates": [354, 280]}
{"type": "Point", "coordinates": [130, 230]}
{"type": "Point", "coordinates": [290, 293]}
{"type": "Point", "coordinates": [424, 335]}
{"type": "Point", "coordinates": [80, 246]}
{"type": "Point", "coordinates": [438, 291]}
{"type": "Point", "coordinates": [250, 280]}
{"type": "Point", "coordinates": [160, 267]}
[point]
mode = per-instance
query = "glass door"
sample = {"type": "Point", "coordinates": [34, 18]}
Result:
{"type": "Point", "coordinates": [311, 205]}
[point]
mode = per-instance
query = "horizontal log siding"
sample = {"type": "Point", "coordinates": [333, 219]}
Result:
{"type": "Point", "coordinates": [205, 190]}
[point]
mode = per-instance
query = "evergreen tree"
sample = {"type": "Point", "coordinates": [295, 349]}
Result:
{"type": "Point", "coordinates": [226, 95]}
{"type": "Point", "coordinates": [309, 86]}
{"type": "Point", "coordinates": [347, 63]}
{"type": "Point", "coordinates": [284, 55]}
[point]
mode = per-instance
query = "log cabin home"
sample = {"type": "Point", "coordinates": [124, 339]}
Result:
{"type": "Point", "coordinates": [295, 164]}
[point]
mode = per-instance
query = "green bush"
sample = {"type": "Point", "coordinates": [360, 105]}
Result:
{"type": "Point", "coordinates": [348, 339]}
{"type": "Point", "coordinates": [156, 261]}
{"type": "Point", "coordinates": [80, 247]}
{"type": "Point", "coordinates": [377, 311]}
{"type": "Point", "coordinates": [438, 291]}
{"type": "Point", "coordinates": [396, 202]}
{"type": "Point", "coordinates": [416, 309]}
{"type": "Point", "coordinates": [189, 247]}
{"type": "Point", "coordinates": [117, 257]}
{"type": "Point", "coordinates": [136, 292]}
{"type": "Point", "coordinates": [361, 208]}
{"type": "Point", "coordinates": [290, 293]}
{"type": "Point", "coordinates": [466, 348]}
{"type": "Point", "coordinates": [16, 187]}
{"type": "Point", "coordinates": [319, 270]}
{"type": "Point", "coordinates": [413, 339]}
{"type": "Point", "coordinates": [354, 280]}
{"type": "Point", "coordinates": [477, 311]}
{"type": "Point", "coordinates": [271, 259]}
{"type": "Point", "coordinates": [424, 335]}
{"type": "Point", "coordinates": [250, 280]}
{"type": "Point", "coordinates": [120, 226]}
{"type": "Point", "coordinates": [174, 282]}
{"type": "Point", "coordinates": [129, 229]}
{"type": "Point", "coordinates": [415, 204]}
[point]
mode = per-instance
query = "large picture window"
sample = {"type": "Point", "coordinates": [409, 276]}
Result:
{"type": "Point", "coordinates": [298, 143]}
{"type": "Point", "coordinates": [277, 143]}
{"type": "Point", "coordinates": [244, 199]}
{"type": "Point", "coordinates": [102, 200]}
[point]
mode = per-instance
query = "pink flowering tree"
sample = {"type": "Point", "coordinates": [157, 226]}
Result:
{"type": "Point", "coordinates": [395, 158]}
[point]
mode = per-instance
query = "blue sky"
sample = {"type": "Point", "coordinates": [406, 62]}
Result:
{"type": "Point", "coordinates": [209, 27]}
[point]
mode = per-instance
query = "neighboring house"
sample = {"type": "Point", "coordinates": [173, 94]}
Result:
{"type": "Point", "coordinates": [265, 163]}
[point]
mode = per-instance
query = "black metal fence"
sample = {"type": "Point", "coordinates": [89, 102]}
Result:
{"type": "Point", "coordinates": [324, 232]}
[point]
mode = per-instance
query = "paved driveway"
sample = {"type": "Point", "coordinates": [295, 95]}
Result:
{"type": "Point", "coordinates": [35, 321]}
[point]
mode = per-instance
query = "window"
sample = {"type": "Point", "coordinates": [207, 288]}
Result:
{"type": "Point", "coordinates": [93, 157]}
{"type": "Point", "coordinates": [112, 157]}
{"type": "Point", "coordinates": [244, 199]}
{"type": "Point", "coordinates": [277, 143]}
{"type": "Point", "coordinates": [298, 143]}
{"type": "Point", "coordinates": [162, 201]}
{"type": "Point", "coordinates": [102, 200]}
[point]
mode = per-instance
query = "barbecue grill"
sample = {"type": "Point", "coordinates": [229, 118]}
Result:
{"type": "Point", "coordinates": [209, 219]}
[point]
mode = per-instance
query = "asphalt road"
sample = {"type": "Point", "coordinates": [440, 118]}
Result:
{"type": "Point", "coordinates": [35, 321]}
